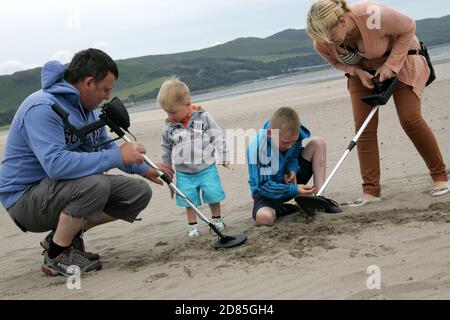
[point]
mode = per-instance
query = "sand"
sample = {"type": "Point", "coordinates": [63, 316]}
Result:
{"type": "Point", "coordinates": [407, 236]}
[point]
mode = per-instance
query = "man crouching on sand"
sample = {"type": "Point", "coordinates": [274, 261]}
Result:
{"type": "Point", "coordinates": [52, 181]}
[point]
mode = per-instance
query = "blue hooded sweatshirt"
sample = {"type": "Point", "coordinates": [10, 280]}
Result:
{"type": "Point", "coordinates": [263, 179]}
{"type": "Point", "coordinates": [39, 145]}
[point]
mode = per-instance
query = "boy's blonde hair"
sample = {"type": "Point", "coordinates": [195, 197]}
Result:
{"type": "Point", "coordinates": [173, 91]}
{"type": "Point", "coordinates": [286, 120]}
{"type": "Point", "coordinates": [324, 15]}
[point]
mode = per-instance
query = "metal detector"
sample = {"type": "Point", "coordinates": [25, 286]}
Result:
{"type": "Point", "coordinates": [116, 117]}
{"type": "Point", "coordinates": [381, 95]}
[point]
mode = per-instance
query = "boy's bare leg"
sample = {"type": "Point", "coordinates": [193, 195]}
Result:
{"type": "Point", "coordinates": [316, 153]}
{"type": "Point", "coordinates": [215, 210]}
{"type": "Point", "coordinates": [192, 217]}
{"type": "Point", "coordinates": [265, 217]}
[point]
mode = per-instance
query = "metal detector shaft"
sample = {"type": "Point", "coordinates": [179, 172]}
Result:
{"type": "Point", "coordinates": [171, 185]}
{"type": "Point", "coordinates": [350, 148]}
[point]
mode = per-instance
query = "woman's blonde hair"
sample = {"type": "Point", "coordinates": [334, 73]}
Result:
{"type": "Point", "coordinates": [173, 91]}
{"type": "Point", "coordinates": [324, 15]}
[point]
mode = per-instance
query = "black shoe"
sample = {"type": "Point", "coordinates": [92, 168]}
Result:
{"type": "Point", "coordinates": [77, 243]}
{"type": "Point", "coordinates": [333, 208]}
{"type": "Point", "coordinates": [288, 209]}
{"type": "Point", "coordinates": [313, 204]}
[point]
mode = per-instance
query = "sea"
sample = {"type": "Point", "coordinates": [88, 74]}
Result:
{"type": "Point", "coordinates": [306, 76]}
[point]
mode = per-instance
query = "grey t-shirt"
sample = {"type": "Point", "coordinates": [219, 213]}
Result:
{"type": "Point", "coordinates": [192, 149]}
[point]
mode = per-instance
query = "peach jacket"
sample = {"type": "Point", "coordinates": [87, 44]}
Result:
{"type": "Point", "coordinates": [395, 32]}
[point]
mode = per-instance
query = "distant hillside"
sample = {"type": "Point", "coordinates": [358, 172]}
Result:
{"type": "Point", "coordinates": [243, 59]}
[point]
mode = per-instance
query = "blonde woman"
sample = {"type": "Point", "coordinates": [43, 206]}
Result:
{"type": "Point", "coordinates": [368, 39]}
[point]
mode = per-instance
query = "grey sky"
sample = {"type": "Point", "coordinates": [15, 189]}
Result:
{"type": "Point", "coordinates": [33, 32]}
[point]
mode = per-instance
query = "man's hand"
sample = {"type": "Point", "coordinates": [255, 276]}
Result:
{"type": "Point", "coordinates": [132, 152]}
{"type": "Point", "coordinates": [153, 176]}
{"type": "Point", "coordinates": [385, 73]}
{"type": "Point", "coordinates": [303, 189]}
{"type": "Point", "coordinates": [290, 178]}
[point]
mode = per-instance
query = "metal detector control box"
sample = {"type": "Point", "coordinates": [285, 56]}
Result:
{"type": "Point", "coordinates": [382, 92]}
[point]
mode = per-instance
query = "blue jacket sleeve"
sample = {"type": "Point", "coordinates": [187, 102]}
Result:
{"type": "Point", "coordinates": [131, 169]}
{"type": "Point", "coordinates": [292, 160]}
{"type": "Point", "coordinates": [264, 185]}
{"type": "Point", "coordinates": [43, 130]}
{"type": "Point", "coordinates": [271, 189]}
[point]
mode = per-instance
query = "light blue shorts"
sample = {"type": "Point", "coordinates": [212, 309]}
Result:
{"type": "Point", "coordinates": [202, 187]}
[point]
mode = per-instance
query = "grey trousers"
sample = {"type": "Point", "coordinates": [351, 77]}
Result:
{"type": "Point", "coordinates": [120, 197]}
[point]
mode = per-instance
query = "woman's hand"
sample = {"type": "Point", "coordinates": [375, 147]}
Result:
{"type": "Point", "coordinates": [365, 77]}
{"type": "Point", "coordinates": [385, 73]}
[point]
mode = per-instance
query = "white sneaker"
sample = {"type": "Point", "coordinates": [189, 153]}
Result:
{"type": "Point", "coordinates": [440, 189]}
{"type": "Point", "coordinates": [218, 222]}
{"type": "Point", "coordinates": [193, 231]}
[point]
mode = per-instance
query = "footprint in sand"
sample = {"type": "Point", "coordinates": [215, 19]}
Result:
{"type": "Point", "coordinates": [156, 277]}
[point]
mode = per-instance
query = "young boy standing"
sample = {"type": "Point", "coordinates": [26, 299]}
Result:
{"type": "Point", "coordinates": [189, 140]}
{"type": "Point", "coordinates": [280, 167]}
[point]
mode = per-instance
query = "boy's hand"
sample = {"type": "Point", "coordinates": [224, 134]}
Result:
{"type": "Point", "coordinates": [166, 169]}
{"type": "Point", "coordinates": [153, 176]}
{"type": "Point", "coordinates": [225, 164]}
{"type": "Point", "coordinates": [303, 189]}
{"type": "Point", "coordinates": [290, 178]}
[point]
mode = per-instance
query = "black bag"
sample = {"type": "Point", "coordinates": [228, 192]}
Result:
{"type": "Point", "coordinates": [424, 52]}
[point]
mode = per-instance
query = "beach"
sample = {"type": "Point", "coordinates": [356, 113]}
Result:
{"type": "Point", "coordinates": [407, 236]}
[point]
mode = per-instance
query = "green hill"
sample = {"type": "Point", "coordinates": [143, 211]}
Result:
{"type": "Point", "coordinates": [243, 59]}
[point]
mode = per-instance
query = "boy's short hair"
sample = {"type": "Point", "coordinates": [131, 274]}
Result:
{"type": "Point", "coordinates": [286, 120]}
{"type": "Point", "coordinates": [172, 91]}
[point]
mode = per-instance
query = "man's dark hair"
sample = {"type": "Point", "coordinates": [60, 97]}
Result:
{"type": "Point", "coordinates": [90, 63]}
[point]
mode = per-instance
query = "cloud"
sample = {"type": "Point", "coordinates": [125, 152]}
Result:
{"type": "Point", "coordinates": [62, 56]}
{"type": "Point", "coordinates": [102, 45]}
{"type": "Point", "coordinates": [11, 67]}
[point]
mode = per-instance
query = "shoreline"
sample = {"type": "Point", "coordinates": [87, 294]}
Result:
{"type": "Point", "coordinates": [140, 107]}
